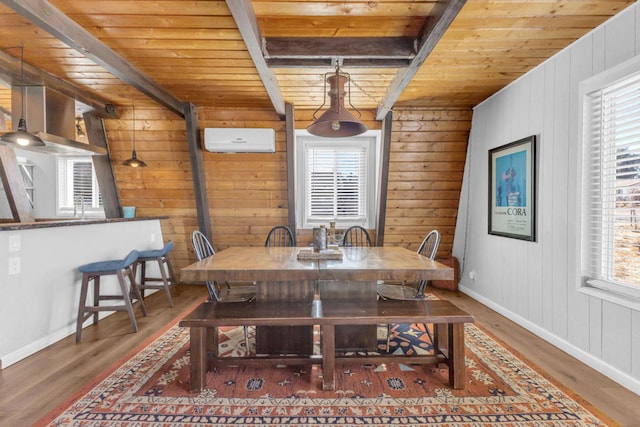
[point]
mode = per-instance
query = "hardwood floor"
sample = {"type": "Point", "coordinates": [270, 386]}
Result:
{"type": "Point", "coordinates": [34, 386]}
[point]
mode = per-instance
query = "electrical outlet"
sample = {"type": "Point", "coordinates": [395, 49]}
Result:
{"type": "Point", "coordinates": [14, 243]}
{"type": "Point", "coordinates": [14, 265]}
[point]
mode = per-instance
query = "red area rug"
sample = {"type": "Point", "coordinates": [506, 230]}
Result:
{"type": "Point", "coordinates": [152, 389]}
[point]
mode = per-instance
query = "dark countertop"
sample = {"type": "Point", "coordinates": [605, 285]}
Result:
{"type": "Point", "coordinates": [69, 222]}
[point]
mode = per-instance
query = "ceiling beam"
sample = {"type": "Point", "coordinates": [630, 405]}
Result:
{"type": "Point", "coordinates": [330, 63]}
{"type": "Point", "coordinates": [393, 52]}
{"type": "Point", "coordinates": [247, 23]}
{"type": "Point", "coordinates": [437, 23]}
{"type": "Point", "coordinates": [98, 106]}
{"type": "Point", "coordinates": [56, 23]}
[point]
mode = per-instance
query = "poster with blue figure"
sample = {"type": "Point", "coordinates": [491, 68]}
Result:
{"type": "Point", "coordinates": [511, 179]}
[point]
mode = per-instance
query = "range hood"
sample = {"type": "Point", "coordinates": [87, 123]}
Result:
{"type": "Point", "coordinates": [51, 116]}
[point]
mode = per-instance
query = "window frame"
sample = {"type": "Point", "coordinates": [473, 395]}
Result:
{"type": "Point", "coordinates": [619, 293]}
{"type": "Point", "coordinates": [371, 140]}
{"type": "Point", "coordinates": [64, 188]}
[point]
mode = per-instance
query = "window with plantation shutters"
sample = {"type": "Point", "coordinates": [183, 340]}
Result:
{"type": "Point", "coordinates": [78, 187]}
{"type": "Point", "coordinates": [336, 181]}
{"type": "Point", "coordinates": [611, 183]}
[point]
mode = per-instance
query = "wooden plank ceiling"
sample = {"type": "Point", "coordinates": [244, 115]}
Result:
{"type": "Point", "coordinates": [199, 51]}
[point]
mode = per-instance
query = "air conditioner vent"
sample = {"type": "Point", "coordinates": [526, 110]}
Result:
{"type": "Point", "coordinates": [240, 140]}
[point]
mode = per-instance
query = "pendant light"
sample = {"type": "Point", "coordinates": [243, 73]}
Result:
{"type": "Point", "coordinates": [21, 136]}
{"type": "Point", "coordinates": [134, 162]}
{"type": "Point", "coordinates": [337, 121]}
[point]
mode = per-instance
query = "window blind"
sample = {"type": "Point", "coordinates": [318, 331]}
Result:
{"type": "Point", "coordinates": [336, 183]}
{"type": "Point", "coordinates": [83, 182]}
{"type": "Point", "coordinates": [612, 184]}
{"type": "Point", "coordinates": [77, 185]}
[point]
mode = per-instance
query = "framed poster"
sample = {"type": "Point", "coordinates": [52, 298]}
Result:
{"type": "Point", "coordinates": [512, 189]}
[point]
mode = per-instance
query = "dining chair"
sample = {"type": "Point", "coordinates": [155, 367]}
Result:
{"type": "Point", "coordinates": [280, 236]}
{"type": "Point", "coordinates": [356, 236]}
{"type": "Point", "coordinates": [226, 292]}
{"type": "Point", "coordinates": [410, 291]}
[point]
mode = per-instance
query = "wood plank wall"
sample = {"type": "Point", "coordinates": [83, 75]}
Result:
{"type": "Point", "coordinates": [426, 164]}
{"type": "Point", "coordinates": [165, 186]}
{"type": "Point", "coordinates": [248, 191]}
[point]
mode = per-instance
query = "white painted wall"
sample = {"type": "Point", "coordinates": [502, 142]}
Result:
{"type": "Point", "coordinates": [39, 305]}
{"type": "Point", "coordinates": [535, 283]}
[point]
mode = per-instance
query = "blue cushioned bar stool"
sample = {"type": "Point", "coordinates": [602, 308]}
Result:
{"type": "Point", "coordinates": [161, 256]}
{"type": "Point", "coordinates": [95, 270]}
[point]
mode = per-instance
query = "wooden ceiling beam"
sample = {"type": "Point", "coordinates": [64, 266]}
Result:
{"type": "Point", "coordinates": [98, 106]}
{"type": "Point", "coordinates": [59, 25]}
{"type": "Point", "coordinates": [346, 63]}
{"type": "Point", "coordinates": [245, 17]}
{"type": "Point", "coordinates": [437, 23]}
{"type": "Point", "coordinates": [355, 51]}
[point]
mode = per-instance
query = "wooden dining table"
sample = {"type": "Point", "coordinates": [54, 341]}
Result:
{"type": "Point", "coordinates": [280, 275]}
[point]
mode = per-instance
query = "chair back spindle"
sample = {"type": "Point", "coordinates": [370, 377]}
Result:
{"type": "Point", "coordinates": [356, 236]}
{"type": "Point", "coordinates": [280, 236]}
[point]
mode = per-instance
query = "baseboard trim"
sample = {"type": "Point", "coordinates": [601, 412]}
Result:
{"type": "Point", "coordinates": [599, 365]}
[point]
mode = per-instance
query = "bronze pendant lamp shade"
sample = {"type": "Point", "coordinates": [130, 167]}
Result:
{"type": "Point", "coordinates": [21, 136]}
{"type": "Point", "coordinates": [337, 121]}
{"type": "Point", "coordinates": [134, 162]}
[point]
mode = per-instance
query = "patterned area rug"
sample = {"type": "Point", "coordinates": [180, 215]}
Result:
{"type": "Point", "coordinates": [152, 389]}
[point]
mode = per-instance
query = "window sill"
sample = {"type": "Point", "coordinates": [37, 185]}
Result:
{"type": "Point", "coordinates": [611, 297]}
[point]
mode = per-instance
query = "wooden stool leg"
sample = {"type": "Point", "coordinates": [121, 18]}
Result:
{"type": "Point", "coordinates": [96, 295]}
{"type": "Point", "coordinates": [165, 280]}
{"type": "Point", "coordinates": [81, 306]}
{"type": "Point", "coordinates": [143, 275]}
{"type": "Point", "coordinates": [136, 290]}
{"type": "Point", "coordinates": [172, 276]}
{"type": "Point", "coordinates": [127, 300]}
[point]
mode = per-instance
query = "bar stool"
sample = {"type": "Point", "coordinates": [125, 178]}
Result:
{"type": "Point", "coordinates": [94, 271]}
{"type": "Point", "coordinates": [162, 258]}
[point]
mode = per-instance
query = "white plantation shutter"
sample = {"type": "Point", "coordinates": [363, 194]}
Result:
{"type": "Point", "coordinates": [336, 183]}
{"type": "Point", "coordinates": [77, 181]}
{"type": "Point", "coordinates": [611, 234]}
{"type": "Point", "coordinates": [83, 181]}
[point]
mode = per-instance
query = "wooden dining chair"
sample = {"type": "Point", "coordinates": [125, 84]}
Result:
{"type": "Point", "coordinates": [227, 292]}
{"type": "Point", "coordinates": [280, 236]}
{"type": "Point", "coordinates": [411, 290]}
{"type": "Point", "coordinates": [356, 236]}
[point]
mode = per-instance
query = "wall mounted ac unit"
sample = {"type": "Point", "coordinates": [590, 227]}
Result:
{"type": "Point", "coordinates": [240, 140]}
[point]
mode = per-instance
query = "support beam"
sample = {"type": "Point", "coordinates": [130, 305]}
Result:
{"type": "Point", "coordinates": [14, 188]}
{"type": "Point", "coordinates": [59, 25]}
{"type": "Point", "coordinates": [247, 23]}
{"type": "Point", "coordinates": [197, 168]}
{"type": "Point", "coordinates": [290, 128]}
{"type": "Point", "coordinates": [379, 52]}
{"type": "Point", "coordinates": [97, 136]}
{"type": "Point", "coordinates": [437, 23]}
{"type": "Point", "coordinates": [384, 173]}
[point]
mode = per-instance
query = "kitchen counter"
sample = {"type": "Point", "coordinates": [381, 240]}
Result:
{"type": "Point", "coordinates": [40, 280]}
{"type": "Point", "coordinates": [59, 222]}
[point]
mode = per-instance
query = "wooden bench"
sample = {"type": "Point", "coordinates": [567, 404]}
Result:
{"type": "Point", "coordinates": [448, 320]}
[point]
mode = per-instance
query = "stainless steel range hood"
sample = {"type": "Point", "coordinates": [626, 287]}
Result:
{"type": "Point", "coordinates": [51, 116]}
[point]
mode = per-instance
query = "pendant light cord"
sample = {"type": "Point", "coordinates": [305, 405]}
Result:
{"type": "Point", "coordinates": [22, 79]}
{"type": "Point", "coordinates": [133, 129]}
